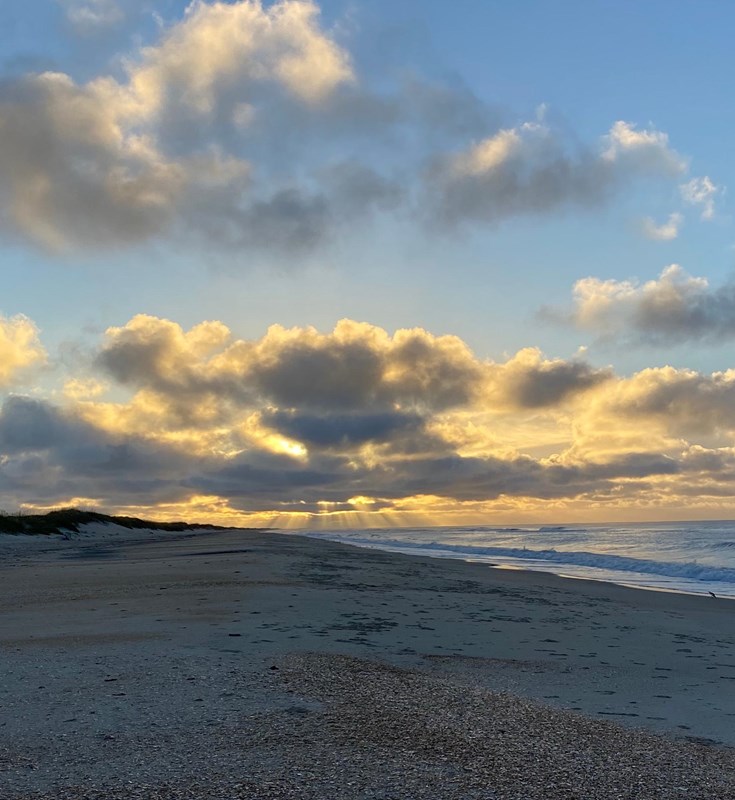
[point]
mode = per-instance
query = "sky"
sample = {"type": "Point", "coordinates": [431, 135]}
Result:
{"type": "Point", "coordinates": [367, 263]}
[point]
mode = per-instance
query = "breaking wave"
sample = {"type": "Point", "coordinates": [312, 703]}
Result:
{"type": "Point", "coordinates": [691, 571]}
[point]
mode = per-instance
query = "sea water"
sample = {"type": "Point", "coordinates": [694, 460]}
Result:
{"type": "Point", "coordinates": [694, 557]}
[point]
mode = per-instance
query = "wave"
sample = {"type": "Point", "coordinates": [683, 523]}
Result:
{"type": "Point", "coordinates": [553, 529]}
{"type": "Point", "coordinates": [671, 569]}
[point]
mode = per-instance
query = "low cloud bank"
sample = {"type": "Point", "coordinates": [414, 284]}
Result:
{"type": "Point", "coordinates": [301, 422]}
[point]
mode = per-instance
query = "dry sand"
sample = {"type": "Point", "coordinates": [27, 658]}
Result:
{"type": "Point", "coordinates": [252, 665]}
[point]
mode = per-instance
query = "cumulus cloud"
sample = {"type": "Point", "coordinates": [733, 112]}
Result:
{"type": "Point", "coordinates": [357, 366]}
{"type": "Point", "coordinates": [85, 166]}
{"type": "Point", "coordinates": [72, 176]}
{"type": "Point", "coordinates": [684, 414]}
{"type": "Point", "coordinates": [353, 402]}
{"type": "Point", "coordinates": [675, 307]}
{"type": "Point", "coordinates": [666, 231]}
{"type": "Point", "coordinates": [647, 150]}
{"type": "Point", "coordinates": [245, 44]}
{"type": "Point", "coordinates": [685, 401]}
{"type": "Point", "coordinates": [20, 349]}
{"type": "Point", "coordinates": [247, 126]}
{"type": "Point", "coordinates": [701, 192]}
{"type": "Point", "coordinates": [531, 169]}
{"type": "Point", "coordinates": [359, 420]}
{"type": "Point", "coordinates": [529, 381]}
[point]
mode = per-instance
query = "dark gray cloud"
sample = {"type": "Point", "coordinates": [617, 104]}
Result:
{"type": "Point", "coordinates": [467, 479]}
{"type": "Point", "coordinates": [710, 316]}
{"type": "Point", "coordinates": [342, 376]}
{"type": "Point", "coordinates": [685, 402]}
{"type": "Point", "coordinates": [477, 479]}
{"type": "Point", "coordinates": [519, 187]}
{"type": "Point", "coordinates": [293, 219]}
{"type": "Point", "coordinates": [28, 425]}
{"type": "Point", "coordinates": [548, 383]}
{"type": "Point", "coordinates": [355, 373]}
{"type": "Point", "coordinates": [49, 454]}
{"type": "Point", "coordinates": [289, 220]}
{"type": "Point", "coordinates": [333, 430]}
{"type": "Point", "coordinates": [358, 190]}
{"type": "Point", "coordinates": [534, 169]}
{"type": "Point", "coordinates": [673, 308]}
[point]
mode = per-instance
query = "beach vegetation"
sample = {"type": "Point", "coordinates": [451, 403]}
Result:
{"type": "Point", "coordinates": [69, 520]}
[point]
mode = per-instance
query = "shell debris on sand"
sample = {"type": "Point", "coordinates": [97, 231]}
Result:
{"type": "Point", "coordinates": [363, 730]}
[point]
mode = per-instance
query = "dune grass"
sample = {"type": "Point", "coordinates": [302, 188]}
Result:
{"type": "Point", "coordinates": [65, 520]}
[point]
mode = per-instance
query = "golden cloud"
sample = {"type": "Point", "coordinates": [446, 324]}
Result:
{"type": "Point", "coordinates": [362, 424]}
{"type": "Point", "coordinates": [83, 165]}
{"type": "Point", "coordinates": [20, 349]}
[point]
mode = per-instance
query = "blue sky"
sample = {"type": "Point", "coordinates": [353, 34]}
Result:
{"type": "Point", "coordinates": [457, 169]}
{"type": "Point", "coordinates": [591, 63]}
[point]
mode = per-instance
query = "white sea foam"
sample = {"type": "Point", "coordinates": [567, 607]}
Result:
{"type": "Point", "coordinates": [691, 557]}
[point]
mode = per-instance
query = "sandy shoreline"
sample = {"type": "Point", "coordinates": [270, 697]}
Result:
{"type": "Point", "coordinates": [149, 663]}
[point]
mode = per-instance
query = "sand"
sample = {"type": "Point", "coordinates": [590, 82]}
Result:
{"type": "Point", "coordinates": [240, 664]}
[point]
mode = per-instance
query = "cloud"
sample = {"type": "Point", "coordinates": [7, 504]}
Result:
{"type": "Point", "coordinates": [647, 150]}
{"type": "Point", "coordinates": [28, 425]}
{"type": "Point", "coordinates": [528, 381]}
{"type": "Point", "coordinates": [289, 219]}
{"type": "Point", "coordinates": [356, 189]}
{"type": "Point", "coordinates": [374, 399]}
{"type": "Point", "coordinates": [87, 17]}
{"type": "Point", "coordinates": [340, 429]}
{"type": "Point", "coordinates": [532, 169]}
{"type": "Point", "coordinates": [357, 366]}
{"type": "Point", "coordinates": [246, 126]}
{"type": "Point", "coordinates": [245, 44]}
{"type": "Point", "coordinates": [451, 477]}
{"type": "Point", "coordinates": [295, 220]}
{"type": "Point", "coordinates": [676, 307]}
{"type": "Point", "coordinates": [684, 402]}
{"type": "Point", "coordinates": [666, 231]}
{"type": "Point", "coordinates": [682, 414]}
{"type": "Point", "coordinates": [49, 453]}
{"type": "Point", "coordinates": [360, 420]}
{"type": "Point", "coordinates": [20, 350]}
{"type": "Point", "coordinates": [73, 177]}
{"type": "Point", "coordinates": [84, 166]}
{"type": "Point", "coordinates": [701, 192]}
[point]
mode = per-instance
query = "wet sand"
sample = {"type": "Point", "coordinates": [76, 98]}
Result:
{"type": "Point", "coordinates": [162, 661]}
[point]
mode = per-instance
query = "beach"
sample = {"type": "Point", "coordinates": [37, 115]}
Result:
{"type": "Point", "coordinates": [242, 664]}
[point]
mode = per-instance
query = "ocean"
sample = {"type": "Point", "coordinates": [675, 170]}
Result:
{"type": "Point", "coordinates": [693, 557]}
